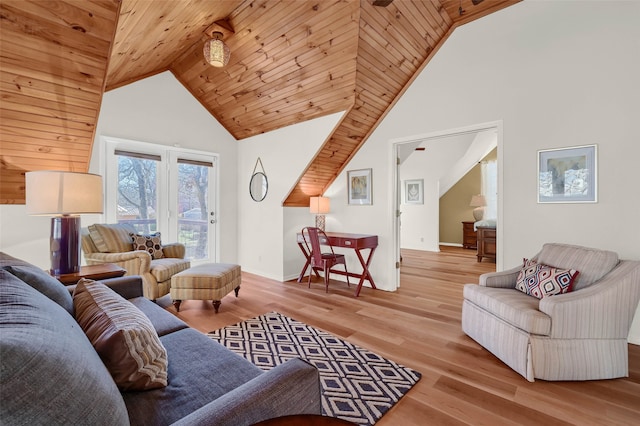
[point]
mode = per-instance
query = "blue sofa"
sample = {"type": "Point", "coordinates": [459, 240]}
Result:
{"type": "Point", "coordinates": [50, 373]}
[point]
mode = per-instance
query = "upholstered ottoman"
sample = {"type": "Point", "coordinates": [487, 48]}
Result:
{"type": "Point", "coordinates": [211, 281]}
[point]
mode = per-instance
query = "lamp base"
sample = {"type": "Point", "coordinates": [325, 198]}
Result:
{"type": "Point", "coordinates": [320, 221]}
{"type": "Point", "coordinates": [478, 213]}
{"type": "Point", "coordinates": [64, 245]}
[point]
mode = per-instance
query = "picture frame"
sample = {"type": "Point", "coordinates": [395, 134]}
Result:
{"type": "Point", "coordinates": [568, 175]}
{"type": "Point", "coordinates": [360, 187]}
{"type": "Point", "coordinates": [414, 191]}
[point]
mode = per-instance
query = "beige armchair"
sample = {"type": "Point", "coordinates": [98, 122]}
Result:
{"type": "Point", "coordinates": [112, 243]}
{"type": "Point", "coordinates": [579, 335]}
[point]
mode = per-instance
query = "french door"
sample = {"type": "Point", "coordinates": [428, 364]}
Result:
{"type": "Point", "coordinates": [161, 189]}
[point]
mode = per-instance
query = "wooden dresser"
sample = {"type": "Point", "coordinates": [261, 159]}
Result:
{"type": "Point", "coordinates": [486, 243]}
{"type": "Point", "coordinates": [468, 235]}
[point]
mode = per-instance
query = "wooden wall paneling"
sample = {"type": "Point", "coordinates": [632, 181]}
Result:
{"type": "Point", "coordinates": [473, 12]}
{"type": "Point", "coordinates": [389, 54]}
{"type": "Point", "coordinates": [291, 61]}
{"type": "Point", "coordinates": [64, 17]}
{"type": "Point", "coordinates": [152, 34]}
{"type": "Point", "coordinates": [52, 68]}
{"type": "Point", "coordinates": [286, 68]}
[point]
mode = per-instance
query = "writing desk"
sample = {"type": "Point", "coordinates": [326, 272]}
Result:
{"type": "Point", "coordinates": [357, 242]}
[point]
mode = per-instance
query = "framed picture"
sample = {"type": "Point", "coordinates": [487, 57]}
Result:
{"type": "Point", "coordinates": [414, 191]}
{"type": "Point", "coordinates": [568, 175]}
{"type": "Point", "coordinates": [359, 186]}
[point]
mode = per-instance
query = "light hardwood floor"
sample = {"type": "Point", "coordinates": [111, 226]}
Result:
{"type": "Point", "coordinates": [419, 326]}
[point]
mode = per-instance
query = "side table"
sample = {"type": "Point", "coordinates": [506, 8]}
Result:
{"type": "Point", "coordinates": [93, 272]}
{"type": "Point", "coordinates": [469, 239]}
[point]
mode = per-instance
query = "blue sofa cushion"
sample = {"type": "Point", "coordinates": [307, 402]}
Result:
{"type": "Point", "coordinates": [163, 322]}
{"type": "Point", "coordinates": [45, 284]}
{"type": "Point", "coordinates": [49, 371]}
{"type": "Point", "coordinates": [200, 371]}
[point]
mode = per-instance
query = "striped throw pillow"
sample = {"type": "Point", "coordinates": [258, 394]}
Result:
{"type": "Point", "coordinates": [122, 335]}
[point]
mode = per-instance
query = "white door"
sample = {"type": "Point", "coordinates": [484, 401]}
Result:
{"type": "Point", "coordinates": [193, 197]}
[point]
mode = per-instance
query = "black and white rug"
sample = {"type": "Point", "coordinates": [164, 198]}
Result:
{"type": "Point", "coordinates": [357, 385]}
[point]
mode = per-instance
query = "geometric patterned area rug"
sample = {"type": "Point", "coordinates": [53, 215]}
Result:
{"type": "Point", "coordinates": [357, 385]}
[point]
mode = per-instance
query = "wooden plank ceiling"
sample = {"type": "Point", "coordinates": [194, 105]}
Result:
{"type": "Point", "coordinates": [291, 61]}
{"type": "Point", "coordinates": [53, 61]}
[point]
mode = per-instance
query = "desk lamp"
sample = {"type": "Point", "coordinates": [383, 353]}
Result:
{"type": "Point", "coordinates": [63, 195]}
{"type": "Point", "coordinates": [319, 206]}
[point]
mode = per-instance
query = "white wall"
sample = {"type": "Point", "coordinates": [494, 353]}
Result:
{"type": "Point", "coordinates": [558, 75]}
{"type": "Point", "coordinates": [264, 234]}
{"type": "Point", "coordinates": [160, 110]}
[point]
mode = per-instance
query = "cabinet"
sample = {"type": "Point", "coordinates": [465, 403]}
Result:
{"type": "Point", "coordinates": [468, 235]}
{"type": "Point", "coordinates": [486, 243]}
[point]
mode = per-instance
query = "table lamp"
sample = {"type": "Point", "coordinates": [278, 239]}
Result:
{"type": "Point", "coordinates": [319, 206]}
{"type": "Point", "coordinates": [478, 201]}
{"type": "Point", "coordinates": [63, 195]}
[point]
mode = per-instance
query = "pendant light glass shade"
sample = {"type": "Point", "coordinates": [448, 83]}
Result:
{"type": "Point", "coordinates": [216, 53]}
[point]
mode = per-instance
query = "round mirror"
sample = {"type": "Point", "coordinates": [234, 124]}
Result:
{"type": "Point", "coordinates": [258, 186]}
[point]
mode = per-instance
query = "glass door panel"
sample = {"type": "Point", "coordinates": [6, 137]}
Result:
{"type": "Point", "coordinates": [194, 211]}
{"type": "Point", "coordinates": [136, 197]}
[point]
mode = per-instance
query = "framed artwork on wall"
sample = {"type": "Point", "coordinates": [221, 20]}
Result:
{"type": "Point", "coordinates": [414, 191]}
{"type": "Point", "coordinates": [360, 187]}
{"type": "Point", "coordinates": [568, 175]}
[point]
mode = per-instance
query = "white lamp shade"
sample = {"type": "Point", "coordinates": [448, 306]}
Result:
{"type": "Point", "coordinates": [319, 205]}
{"type": "Point", "coordinates": [478, 201]}
{"type": "Point", "coordinates": [63, 193]}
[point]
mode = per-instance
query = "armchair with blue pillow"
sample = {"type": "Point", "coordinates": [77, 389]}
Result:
{"type": "Point", "coordinates": [155, 262]}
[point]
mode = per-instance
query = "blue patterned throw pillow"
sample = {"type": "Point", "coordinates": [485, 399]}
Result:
{"type": "Point", "coordinates": [539, 280]}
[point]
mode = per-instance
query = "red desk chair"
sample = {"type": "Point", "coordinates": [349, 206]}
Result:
{"type": "Point", "coordinates": [313, 239]}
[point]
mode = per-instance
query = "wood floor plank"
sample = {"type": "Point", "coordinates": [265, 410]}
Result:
{"type": "Point", "coordinates": [419, 326]}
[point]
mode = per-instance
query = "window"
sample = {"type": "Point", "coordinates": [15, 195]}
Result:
{"type": "Point", "coordinates": [160, 188]}
{"type": "Point", "coordinates": [489, 176]}
{"type": "Point", "coordinates": [136, 200]}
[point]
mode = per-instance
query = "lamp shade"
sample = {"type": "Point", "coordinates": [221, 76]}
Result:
{"type": "Point", "coordinates": [216, 52]}
{"type": "Point", "coordinates": [319, 205]}
{"type": "Point", "coordinates": [478, 201]}
{"type": "Point", "coordinates": [63, 193]}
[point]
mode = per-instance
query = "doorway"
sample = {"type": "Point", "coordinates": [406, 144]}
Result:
{"type": "Point", "coordinates": [403, 148]}
{"type": "Point", "coordinates": [156, 188]}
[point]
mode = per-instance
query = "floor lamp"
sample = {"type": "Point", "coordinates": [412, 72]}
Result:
{"type": "Point", "coordinates": [63, 195]}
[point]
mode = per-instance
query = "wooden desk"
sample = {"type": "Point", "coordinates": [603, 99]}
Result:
{"type": "Point", "coordinates": [93, 272]}
{"type": "Point", "coordinates": [357, 242]}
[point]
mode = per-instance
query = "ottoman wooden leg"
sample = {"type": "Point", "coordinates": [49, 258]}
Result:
{"type": "Point", "coordinates": [237, 289]}
{"type": "Point", "coordinates": [177, 303]}
{"type": "Point", "coordinates": [216, 305]}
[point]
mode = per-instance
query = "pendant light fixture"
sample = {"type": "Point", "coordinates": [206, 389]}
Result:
{"type": "Point", "coordinates": [216, 52]}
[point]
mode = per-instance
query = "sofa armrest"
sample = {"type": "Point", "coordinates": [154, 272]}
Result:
{"type": "Point", "coordinates": [127, 287]}
{"type": "Point", "coordinates": [135, 262]}
{"type": "Point", "coordinates": [602, 310]}
{"type": "Point", "coordinates": [502, 279]}
{"type": "Point", "coordinates": [176, 250]}
{"type": "Point", "coordinates": [290, 388]}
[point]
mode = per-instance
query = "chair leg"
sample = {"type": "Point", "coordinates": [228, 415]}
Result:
{"type": "Point", "coordinates": [327, 277]}
{"type": "Point", "coordinates": [347, 275]}
{"type": "Point", "coordinates": [309, 281]}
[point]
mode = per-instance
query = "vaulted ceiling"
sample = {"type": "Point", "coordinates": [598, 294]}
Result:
{"type": "Point", "coordinates": [291, 61]}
